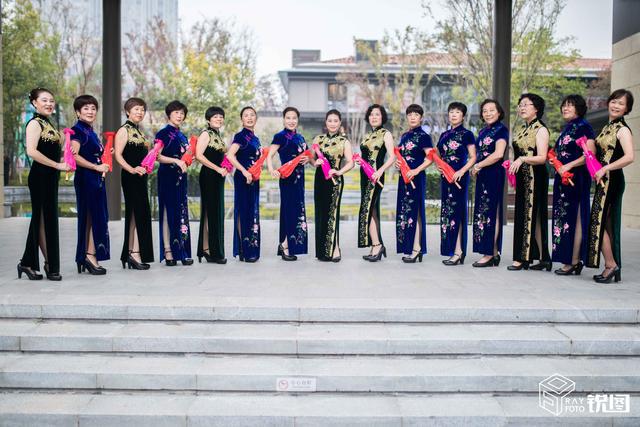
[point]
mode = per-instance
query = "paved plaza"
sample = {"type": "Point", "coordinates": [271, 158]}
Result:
{"type": "Point", "coordinates": [312, 343]}
{"type": "Point", "coordinates": [385, 286]}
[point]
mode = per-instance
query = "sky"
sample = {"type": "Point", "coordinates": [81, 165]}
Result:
{"type": "Point", "coordinates": [331, 25]}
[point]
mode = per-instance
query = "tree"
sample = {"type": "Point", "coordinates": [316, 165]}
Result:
{"type": "Point", "coordinates": [149, 57]}
{"type": "Point", "coordinates": [28, 61]}
{"type": "Point", "coordinates": [78, 57]}
{"type": "Point", "coordinates": [392, 72]}
{"type": "Point", "coordinates": [214, 65]}
{"type": "Point", "coordinates": [539, 62]}
{"type": "Point", "coordinates": [270, 95]}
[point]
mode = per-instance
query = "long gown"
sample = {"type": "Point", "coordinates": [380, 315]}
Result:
{"type": "Point", "coordinates": [372, 151]}
{"type": "Point", "coordinates": [532, 184]}
{"type": "Point", "coordinates": [43, 189]}
{"type": "Point", "coordinates": [453, 147]}
{"type": "Point", "coordinates": [172, 195]}
{"type": "Point", "coordinates": [327, 196]}
{"type": "Point", "coordinates": [246, 206]}
{"type": "Point", "coordinates": [293, 216]}
{"type": "Point", "coordinates": [91, 195]}
{"type": "Point", "coordinates": [570, 201]}
{"type": "Point", "coordinates": [487, 208]}
{"type": "Point", "coordinates": [410, 209]}
{"type": "Point", "coordinates": [212, 198]}
{"type": "Point", "coordinates": [606, 209]}
{"type": "Point", "coordinates": [136, 194]}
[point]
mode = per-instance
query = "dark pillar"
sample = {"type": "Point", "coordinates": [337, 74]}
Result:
{"type": "Point", "coordinates": [111, 93]}
{"type": "Point", "coordinates": [502, 67]}
{"type": "Point", "coordinates": [502, 54]}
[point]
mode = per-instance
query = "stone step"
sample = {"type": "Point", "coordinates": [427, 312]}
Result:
{"type": "Point", "coordinates": [345, 374]}
{"type": "Point", "coordinates": [319, 339]}
{"type": "Point", "coordinates": [235, 409]}
{"type": "Point", "coordinates": [298, 309]}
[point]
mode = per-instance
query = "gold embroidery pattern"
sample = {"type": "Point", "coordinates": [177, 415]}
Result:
{"type": "Point", "coordinates": [524, 145]}
{"type": "Point", "coordinates": [48, 133]}
{"type": "Point", "coordinates": [333, 149]}
{"type": "Point", "coordinates": [373, 142]}
{"type": "Point", "coordinates": [606, 144]}
{"type": "Point", "coordinates": [215, 141]}
{"type": "Point", "coordinates": [134, 136]}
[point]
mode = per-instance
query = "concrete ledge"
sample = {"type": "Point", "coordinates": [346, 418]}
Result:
{"type": "Point", "coordinates": [24, 409]}
{"type": "Point", "coordinates": [487, 374]}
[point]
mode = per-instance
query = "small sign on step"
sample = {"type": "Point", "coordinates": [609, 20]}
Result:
{"type": "Point", "coordinates": [296, 384]}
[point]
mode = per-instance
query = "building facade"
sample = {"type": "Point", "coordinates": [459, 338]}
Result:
{"type": "Point", "coordinates": [314, 85]}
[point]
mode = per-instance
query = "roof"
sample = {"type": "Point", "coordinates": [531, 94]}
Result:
{"type": "Point", "coordinates": [440, 59]}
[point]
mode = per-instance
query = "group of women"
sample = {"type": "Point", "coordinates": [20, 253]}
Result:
{"type": "Point", "coordinates": [580, 231]}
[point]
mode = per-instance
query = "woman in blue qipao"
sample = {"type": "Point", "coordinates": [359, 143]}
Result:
{"type": "Point", "coordinates": [91, 195]}
{"type": "Point", "coordinates": [457, 147]}
{"type": "Point", "coordinates": [288, 143]}
{"type": "Point", "coordinates": [243, 153]}
{"type": "Point", "coordinates": [414, 145]}
{"type": "Point", "coordinates": [175, 233]}
{"type": "Point", "coordinates": [487, 208]}
{"type": "Point", "coordinates": [570, 223]}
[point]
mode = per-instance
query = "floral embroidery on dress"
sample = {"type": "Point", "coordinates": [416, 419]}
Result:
{"type": "Point", "coordinates": [448, 211]}
{"type": "Point", "coordinates": [481, 220]}
{"type": "Point", "coordinates": [560, 224]}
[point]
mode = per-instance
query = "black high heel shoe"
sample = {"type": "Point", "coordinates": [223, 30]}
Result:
{"type": "Point", "coordinates": [522, 266]}
{"type": "Point", "coordinates": [411, 260]}
{"type": "Point", "coordinates": [496, 260]}
{"type": "Point", "coordinates": [459, 260]}
{"type": "Point", "coordinates": [32, 275]}
{"type": "Point", "coordinates": [377, 257]}
{"type": "Point", "coordinates": [133, 264]}
{"type": "Point", "coordinates": [285, 256]}
{"type": "Point", "coordinates": [491, 262]}
{"type": "Point", "coordinates": [187, 261]}
{"type": "Point", "coordinates": [169, 262]}
{"type": "Point", "coordinates": [94, 270]}
{"type": "Point", "coordinates": [370, 254]}
{"type": "Point", "coordinates": [616, 275]}
{"type": "Point", "coordinates": [211, 259]}
{"type": "Point", "coordinates": [542, 265]}
{"type": "Point", "coordinates": [575, 269]}
{"type": "Point", "coordinates": [55, 277]}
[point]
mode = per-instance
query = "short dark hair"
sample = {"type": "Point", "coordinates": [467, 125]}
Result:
{"type": "Point", "coordinates": [536, 100]}
{"type": "Point", "coordinates": [372, 107]}
{"type": "Point", "coordinates": [212, 111]}
{"type": "Point", "coordinates": [83, 100]}
{"type": "Point", "coordinates": [577, 101]}
{"type": "Point", "coordinates": [333, 111]}
{"type": "Point", "coordinates": [248, 107]}
{"type": "Point", "coordinates": [458, 106]}
{"type": "Point", "coordinates": [175, 106]}
{"type": "Point", "coordinates": [498, 107]}
{"type": "Point", "coordinates": [294, 109]}
{"type": "Point", "coordinates": [619, 93]}
{"type": "Point", "coordinates": [134, 102]}
{"type": "Point", "coordinates": [35, 93]}
{"type": "Point", "coordinates": [414, 108]}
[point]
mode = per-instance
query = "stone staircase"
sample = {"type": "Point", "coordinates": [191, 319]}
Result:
{"type": "Point", "coordinates": [104, 363]}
